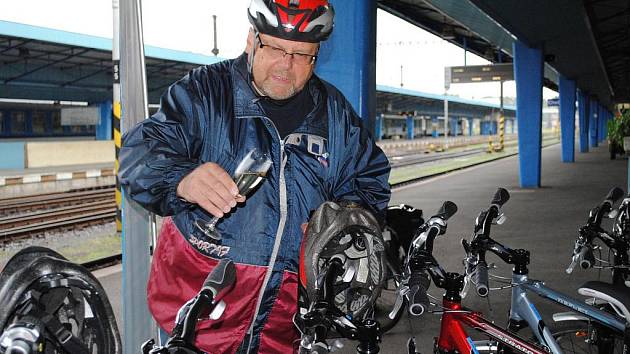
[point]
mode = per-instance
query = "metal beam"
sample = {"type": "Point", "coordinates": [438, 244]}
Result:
{"type": "Point", "coordinates": [43, 66]}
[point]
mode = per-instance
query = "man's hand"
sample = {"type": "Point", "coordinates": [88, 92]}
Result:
{"type": "Point", "coordinates": [210, 187]}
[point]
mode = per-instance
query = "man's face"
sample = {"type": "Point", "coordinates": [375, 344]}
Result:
{"type": "Point", "coordinates": [276, 76]}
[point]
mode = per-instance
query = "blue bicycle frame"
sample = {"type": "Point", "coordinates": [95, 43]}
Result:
{"type": "Point", "coordinates": [522, 309]}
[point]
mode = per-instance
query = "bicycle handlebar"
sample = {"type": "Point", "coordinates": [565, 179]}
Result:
{"type": "Point", "coordinates": [479, 277]}
{"type": "Point", "coordinates": [614, 195]}
{"type": "Point", "coordinates": [221, 279]}
{"type": "Point", "coordinates": [447, 210]}
{"type": "Point", "coordinates": [218, 283]}
{"type": "Point", "coordinates": [416, 281]}
{"type": "Point", "coordinates": [577, 257]}
{"type": "Point", "coordinates": [501, 196]}
{"type": "Point", "coordinates": [417, 297]}
{"type": "Point", "coordinates": [597, 213]}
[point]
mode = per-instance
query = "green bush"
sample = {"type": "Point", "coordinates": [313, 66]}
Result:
{"type": "Point", "coordinates": [618, 128]}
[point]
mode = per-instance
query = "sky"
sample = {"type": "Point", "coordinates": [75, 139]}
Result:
{"type": "Point", "coordinates": [186, 25]}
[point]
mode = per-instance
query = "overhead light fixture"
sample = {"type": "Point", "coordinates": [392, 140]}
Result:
{"type": "Point", "coordinates": [448, 32]}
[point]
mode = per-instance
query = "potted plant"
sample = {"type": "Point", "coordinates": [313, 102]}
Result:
{"type": "Point", "coordinates": [619, 134]}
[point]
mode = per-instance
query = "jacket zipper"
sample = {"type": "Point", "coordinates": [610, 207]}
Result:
{"type": "Point", "coordinates": [278, 238]}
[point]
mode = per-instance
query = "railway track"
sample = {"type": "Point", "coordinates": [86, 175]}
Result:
{"type": "Point", "coordinates": [31, 216]}
{"type": "Point", "coordinates": [17, 205]}
{"type": "Point", "coordinates": [416, 159]}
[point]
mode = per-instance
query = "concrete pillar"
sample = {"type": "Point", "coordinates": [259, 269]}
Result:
{"type": "Point", "coordinates": [567, 118]}
{"type": "Point", "coordinates": [593, 125]}
{"type": "Point", "coordinates": [528, 73]}
{"type": "Point", "coordinates": [348, 58]}
{"type": "Point", "coordinates": [410, 124]}
{"type": "Point", "coordinates": [583, 109]}
{"type": "Point", "coordinates": [513, 126]}
{"type": "Point", "coordinates": [104, 125]}
{"type": "Point", "coordinates": [378, 129]}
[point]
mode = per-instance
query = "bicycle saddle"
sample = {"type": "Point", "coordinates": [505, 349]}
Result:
{"type": "Point", "coordinates": [618, 295]}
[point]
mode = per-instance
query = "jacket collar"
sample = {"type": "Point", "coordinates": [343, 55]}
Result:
{"type": "Point", "coordinates": [246, 101]}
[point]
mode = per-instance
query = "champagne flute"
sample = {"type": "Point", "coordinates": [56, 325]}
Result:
{"type": "Point", "coordinates": [249, 173]}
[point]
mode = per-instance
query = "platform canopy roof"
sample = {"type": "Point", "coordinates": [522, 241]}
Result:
{"type": "Point", "coordinates": [396, 100]}
{"type": "Point", "coordinates": [47, 64]}
{"type": "Point", "coordinates": [584, 40]}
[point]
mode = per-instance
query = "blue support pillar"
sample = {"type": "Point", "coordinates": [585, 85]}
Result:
{"type": "Point", "coordinates": [471, 121]}
{"type": "Point", "coordinates": [583, 106]}
{"type": "Point", "coordinates": [592, 125]}
{"type": "Point", "coordinates": [410, 127]}
{"type": "Point", "coordinates": [605, 125]}
{"type": "Point", "coordinates": [28, 120]}
{"type": "Point", "coordinates": [378, 129]}
{"type": "Point", "coordinates": [104, 125]}
{"type": "Point", "coordinates": [567, 118]}
{"type": "Point", "coordinates": [452, 124]}
{"type": "Point", "coordinates": [434, 121]}
{"type": "Point", "coordinates": [348, 58]}
{"type": "Point", "coordinates": [603, 119]}
{"type": "Point", "coordinates": [528, 73]}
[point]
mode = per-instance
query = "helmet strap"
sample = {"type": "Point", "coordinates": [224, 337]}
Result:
{"type": "Point", "coordinates": [250, 64]}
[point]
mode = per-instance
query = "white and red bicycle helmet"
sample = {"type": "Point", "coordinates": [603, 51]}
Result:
{"type": "Point", "coordinates": [295, 20]}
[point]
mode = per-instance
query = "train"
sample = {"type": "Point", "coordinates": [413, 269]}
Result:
{"type": "Point", "coordinates": [28, 121]}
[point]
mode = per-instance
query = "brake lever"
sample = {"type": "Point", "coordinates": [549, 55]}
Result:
{"type": "Point", "coordinates": [400, 293]}
{"type": "Point", "coordinates": [500, 219]}
{"type": "Point", "coordinates": [612, 214]}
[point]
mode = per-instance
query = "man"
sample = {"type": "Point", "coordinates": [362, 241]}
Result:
{"type": "Point", "coordinates": [179, 162]}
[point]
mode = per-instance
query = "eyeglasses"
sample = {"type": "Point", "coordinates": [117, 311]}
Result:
{"type": "Point", "coordinates": [278, 53]}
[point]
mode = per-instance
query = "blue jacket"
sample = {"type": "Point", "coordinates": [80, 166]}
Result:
{"type": "Point", "coordinates": [213, 115]}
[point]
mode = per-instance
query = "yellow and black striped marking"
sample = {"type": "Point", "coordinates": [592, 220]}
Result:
{"type": "Point", "coordinates": [501, 132]}
{"type": "Point", "coordinates": [117, 142]}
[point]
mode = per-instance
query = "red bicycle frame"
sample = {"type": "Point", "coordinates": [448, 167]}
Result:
{"type": "Point", "coordinates": [453, 336]}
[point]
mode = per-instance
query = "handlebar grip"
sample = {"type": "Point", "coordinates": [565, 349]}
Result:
{"type": "Point", "coordinates": [587, 259]}
{"type": "Point", "coordinates": [480, 278]}
{"type": "Point", "coordinates": [576, 257]}
{"type": "Point", "coordinates": [221, 278]}
{"type": "Point", "coordinates": [417, 297]}
{"type": "Point", "coordinates": [501, 196]}
{"type": "Point", "coordinates": [319, 348]}
{"type": "Point", "coordinates": [615, 194]}
{"type": "Point", "coordinates": [447, 210]}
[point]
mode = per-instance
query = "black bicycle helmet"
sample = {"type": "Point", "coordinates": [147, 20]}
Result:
{"type": "Point", "coordinates": [352, 235]}
{"type": "Point", "coordinates": [48, 301]}
{"type": "Point", "coordinates": [295, 20]}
